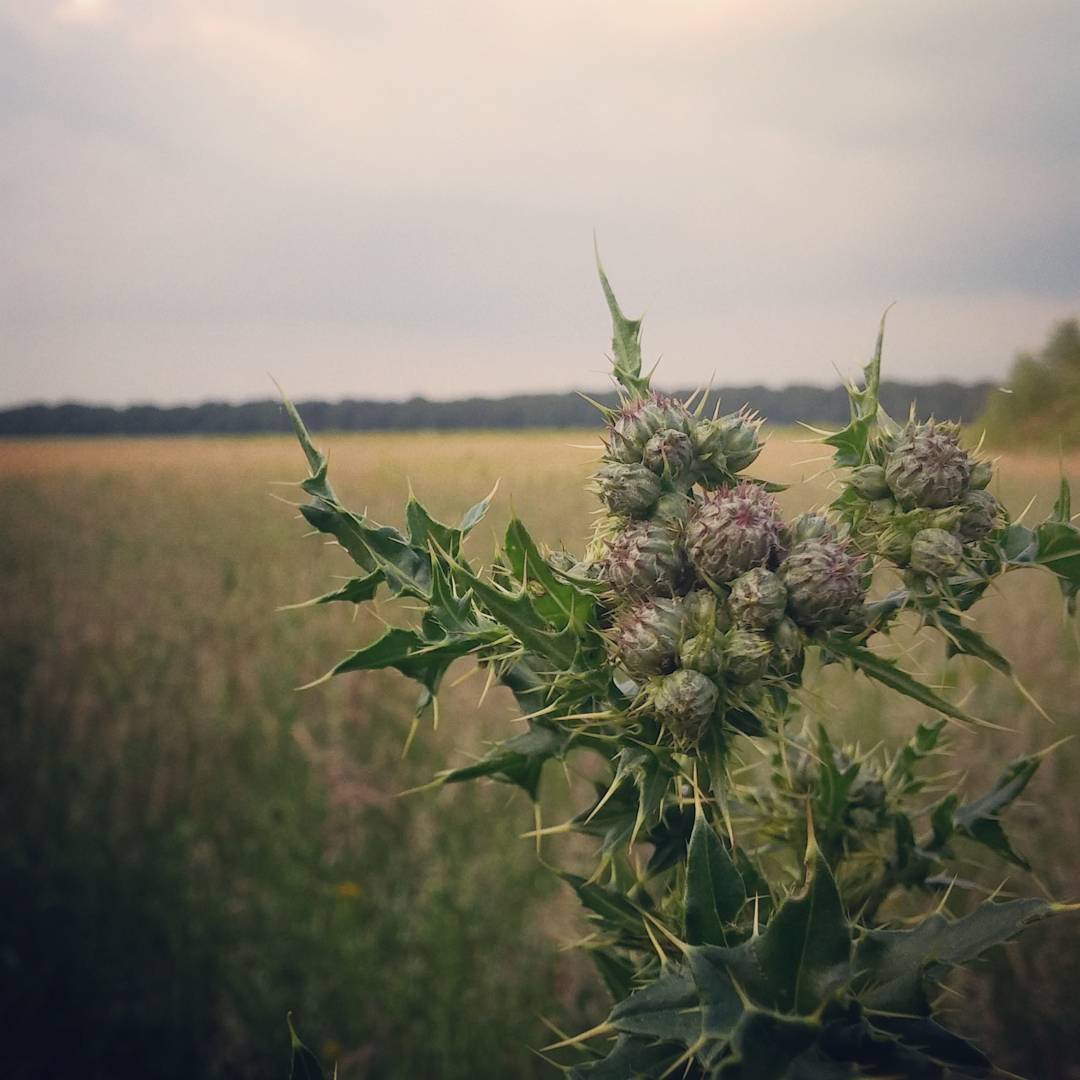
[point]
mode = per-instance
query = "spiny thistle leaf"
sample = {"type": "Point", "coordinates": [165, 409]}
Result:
{"type": "Point", "coordinates": [963, 640]}
{"type": "Point", "coordinates": [631, 1056]}
{"type": "Point", "coordinates": [305, 1065]}
{"type": "Point", "coordinates": [852, 442]}
{"type": "Point", "coordinates": [804, 953]}
{"type": "Point", "coordinates": [714, 893]}
{"type": "Point", "coordinates": [980, 820]}
{"type": "Point", "coordinates": [355, 591]}
{"type": "Point", "coordinates": [557, 599]}
{"type": "Point", "coordinates": [889, 674]}
{"type": "Point", "coordinates": [409, 653]}
{"type": "Point", "coordinates": [893, 967]}
{"type": "Point", "coordinates": [518, 761]}
{"type": "Point", "coordinates": [625, 343]}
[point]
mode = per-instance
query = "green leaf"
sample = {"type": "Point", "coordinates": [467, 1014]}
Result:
{"type": "Point", "coordinates": [617, 972]}
{"type": "Point", "coordinates": [424, 530]}
{"type": "Point", "coordinates": [630, 1058]}
{"type": "Point", "coordinates": [610, 907]}
{"type": "Point", "coordinates": [407, 570]}
{"type": "Point", "coordinates": [929, 1038]}
{"type": "Point", "coordinates": [714, 893]}
{"type": "Point", "coordinates": [765, 1046]}
{"type": "Point", "coordinates": [889, 674]}
{"type": "Point", "coordinates": [519, 760]}
{"type": "Point", "coordinates": [305, 1065]}
{"type": "Point", "coordinates": [517, 612]}
{"type": "Point", "coordinates": [319, 485]}
{"type": "Point", "coordinates": [804, 953]}
{"type": "Point", "coordinates": [557, 600]}
{"type": "Point", "coordinates": [668, 1009]}
{"type": "Point", "coordinates": [476, 513]}
{"type": "Point", "coordinates": [625, 343]}
{"type": "Point", "coordinates": [920, 746]}
{"type": "Point", "coordinates": [852, 442]}
{"type": "Point", "coordinates": [892, 966]}
{"type": "Point", "coordinates": [1063, 504]}
{"type": "Point", "coordinates": [962, 639]}
{"type": "Point", "coordinates": [978, 820]}
{"type": "Point", "coordinates": [357, 590]}
{"type": "Point", "coordinates": [409, 653]}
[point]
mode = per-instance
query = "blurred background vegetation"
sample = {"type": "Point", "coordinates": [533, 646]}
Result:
{"type": "Point", "coordinates": [1041, 405]}
{"type": "Point", "coordinates": [192, 848]}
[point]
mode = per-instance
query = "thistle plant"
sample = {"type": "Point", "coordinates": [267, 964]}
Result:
{"type": "Point", "coordinates": [788, 920]}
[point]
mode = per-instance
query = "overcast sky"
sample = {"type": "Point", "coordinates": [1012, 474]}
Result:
{"type": "Point", "coordinates": [382, 199]}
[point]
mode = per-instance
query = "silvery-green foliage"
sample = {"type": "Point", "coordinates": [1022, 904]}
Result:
{"type": "Point", "coordinates": [747, 926]}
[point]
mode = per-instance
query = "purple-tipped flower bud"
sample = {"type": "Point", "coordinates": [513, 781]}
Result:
{"type": "Point", "coordinates": [646, 557]}
{"type": "Point", "coordinates": [927, 466]}
{"type": "Point", "coordinates": [684, 703]}
{"type": "Point", "coordinates": [745, 655]}
{"type": "Point", "coordinates": [868, 481]}
{"type": "Point", "coordinates": [980, 515]}
{"type": "Point", "coordinates": [669, 453]}
{"type": "Point", "coordinates": [757, 599]}
{"type": "Point", "coordinates": [628, 490]}
{"type": "Point", "coordinates": [645, 639]}
{"type": "Point", "coordinates": [935, 552]}
{"type": "Point", "coordinates": [639, 420]}
{"type": "Point", "coordinates": [733, 530]}
{"type": "Point", "coordinates": [825, 580]}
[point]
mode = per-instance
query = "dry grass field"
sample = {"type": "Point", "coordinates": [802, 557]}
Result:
{"type": "Point", "coordinates": [194, 848]}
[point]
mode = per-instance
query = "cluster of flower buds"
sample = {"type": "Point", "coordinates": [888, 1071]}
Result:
{"type": "Point", "coordinates": [922, 502]}
{"type": "Point", "coordinates": [712, 595]}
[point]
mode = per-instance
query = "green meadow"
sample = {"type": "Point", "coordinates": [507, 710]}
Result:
{"type": "Point", "coordinates": [192, 848]}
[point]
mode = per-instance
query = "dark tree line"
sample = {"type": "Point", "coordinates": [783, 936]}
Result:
{"type": "Point", "coordinates": [811, 404]}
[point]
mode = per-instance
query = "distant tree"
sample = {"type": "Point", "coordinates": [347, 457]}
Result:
{"type": "Point", "coordinates": [1042, 404]}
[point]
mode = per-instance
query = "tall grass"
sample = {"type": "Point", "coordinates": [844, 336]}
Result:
{"type": "Point", "coordinates": [192, 848]}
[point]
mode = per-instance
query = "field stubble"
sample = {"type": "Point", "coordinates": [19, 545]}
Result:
{"type": "Point", "coordinates": [200, 848]}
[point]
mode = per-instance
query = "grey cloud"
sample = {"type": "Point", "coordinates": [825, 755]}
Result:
{"type": "Point", "coordinates": [431, 175]}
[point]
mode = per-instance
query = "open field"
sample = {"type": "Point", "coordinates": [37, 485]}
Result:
{"type": "Point", "coordinates": [193, 848]}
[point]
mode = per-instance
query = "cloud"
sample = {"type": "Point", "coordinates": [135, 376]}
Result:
{"type": "Point", "coordinates": [422, 180]}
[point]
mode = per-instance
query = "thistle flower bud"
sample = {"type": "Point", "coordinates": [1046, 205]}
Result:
{"type": "Point", "coordinates": [980, 514]}
{"type": "Point", "coordinates": [935, 552]}
{"type": "Point", "coordinates": [708, 437]}
{"type": "Point", "coordinates": [646, 557]}
{"type": "Point", "coordinates": [669, 453]}
{"type": "Point", "coordinates": [705, 611]}
{"type": "Point", "coordinates": [700, 653]}
{"type": "Point", "coordinates": [741, 444]}
{"type": "Point", "coordinates": [628, 490]}
{"type": "Point", "coordinates": [639, 420]}
{"type": "Point", "coordinates": [732, 530]}
{"type": "Point", "coordinates": [810, 526]}
{"type": "Point", "coordinates": [868, 481]}
{"type": "Point", "coordinates": [745, 655]}
{"type": "Point", "coordinates": [982, 472]}
{"type": "Point", "coordinates": [788, 653]}
{"type": "Point", "coordinates": [757, 599]}
{"type": "Point", "coordinates": [825, 580]}
{"type": "Point", "coordinates": [673, 507]}
{"type": "Point", "coordinates": [927, 466]}
{"type": "Point", "coordinates": [645, 639]}
{"type": "Point", "coordinates": [684, 703]}
{"type": "Point", "coordinates": [706, 618]}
